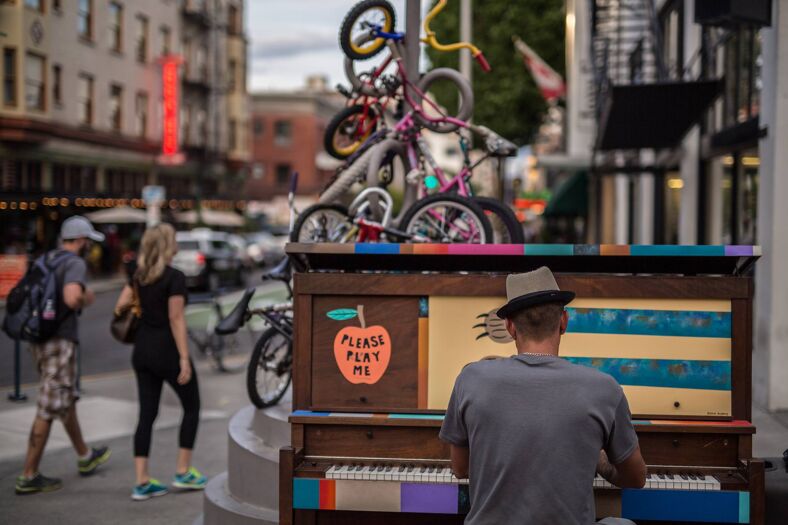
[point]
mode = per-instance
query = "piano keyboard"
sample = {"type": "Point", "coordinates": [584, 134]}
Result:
{"type": "Point", "coordinates": [409, 473]}
{"type": "Point", "coordinates": [668, 481]}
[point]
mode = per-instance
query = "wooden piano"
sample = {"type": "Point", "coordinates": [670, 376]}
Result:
{"type": "Point", "coordinates": [382, 330]}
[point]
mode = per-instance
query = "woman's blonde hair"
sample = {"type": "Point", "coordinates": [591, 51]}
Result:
{"type": "Point", "coordinates": [156, 250]}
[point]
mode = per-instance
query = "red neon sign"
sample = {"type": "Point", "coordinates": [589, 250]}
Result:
{"type": "Point", "coordinates": [169, 77]}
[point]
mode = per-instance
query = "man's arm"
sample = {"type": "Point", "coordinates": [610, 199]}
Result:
{"type": "Point", "coordinates": [629, 474]}
{"type": "Point", "coordinates": [76, 297]}
{"type": "Point", "coordinates": [459, 461]}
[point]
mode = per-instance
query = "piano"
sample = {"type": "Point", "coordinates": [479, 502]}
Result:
{"type": "Point", "coordinates": [382, 330]}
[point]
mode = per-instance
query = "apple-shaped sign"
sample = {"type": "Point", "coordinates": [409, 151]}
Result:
{"type": "Point", "coordinates": [362, 353]}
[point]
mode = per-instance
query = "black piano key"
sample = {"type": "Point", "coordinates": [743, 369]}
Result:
{"type": "Point", "coordinates": [401, 468]}
{"type": "Point", "coordinates": [692, 476]}
{"type": "Point", "coordinates": [660, 475]}
{"type": "Point", "coordinates": [388, 468]}
{"type": "Point", "coordinates": [683, 476]}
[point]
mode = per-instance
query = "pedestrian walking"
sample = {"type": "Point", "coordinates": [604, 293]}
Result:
{"type": "Point", "coordinates": [56, 358]}
{"type": "Point", "coordinates": [161, 354]}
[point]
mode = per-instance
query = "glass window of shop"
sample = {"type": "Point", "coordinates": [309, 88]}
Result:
{"type": "Point", "coordinates": [740, 197]}
{"type": "Point", "coordinates": [672, 192]}
{"type": "Point", "coordinates": [74, 179]}
{"type": "Point", "coordinates": [22, 176]}
{"type": "Point", "coordinates": [35, 88]}
{"type": "Point", "coordinates": [9, 77]}
{"type": "Point", "coordinates": [742, 70]}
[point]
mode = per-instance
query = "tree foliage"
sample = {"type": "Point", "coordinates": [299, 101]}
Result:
{"type": "Point", "coordinates": [507, 99]}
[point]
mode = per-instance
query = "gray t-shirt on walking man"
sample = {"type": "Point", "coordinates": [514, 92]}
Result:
{"type": "Point", "coordinates": [535, 426]}
{"type": "Point", "coordinates": [72, 270]}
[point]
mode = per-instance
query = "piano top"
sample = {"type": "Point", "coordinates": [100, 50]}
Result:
{"type": "Point", "coordinates": [435, 420]}
{"type": "Point", "coordinates": [572, 258]}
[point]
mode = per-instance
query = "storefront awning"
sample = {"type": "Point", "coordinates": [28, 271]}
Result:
{"type": "Point", "coordinates": [571, 198]}
{"type": "Point", "coordinates": [118, 215]}
{"type": "Point", "coordinates": [653, 115]}
{"type": "Point", "coordinates": [212, 218]}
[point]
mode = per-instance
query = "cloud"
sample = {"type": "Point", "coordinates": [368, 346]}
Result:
{"type": "Point", "coordinates": [292, 45]}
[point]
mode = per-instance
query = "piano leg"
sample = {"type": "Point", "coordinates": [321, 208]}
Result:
{"type": "Point", "coordinates": [756, 477]}
{"type": "Point", "coordinates": [286, 469]}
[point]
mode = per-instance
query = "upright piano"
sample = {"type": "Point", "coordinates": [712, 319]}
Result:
{"type": "Point", "coordinates": [382, 330]}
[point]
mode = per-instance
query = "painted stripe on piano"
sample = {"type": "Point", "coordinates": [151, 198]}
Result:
{"type": "Point", "coordinates": [416, 416]}
{"type": "Point", "coordinates": [646, 347]}
{"type": "Point", "coordinates": [306, 493]}
{"type": "Point", "coordinates": [649, 322]}
{"type": "Point", "coordinates": [328, 494]}
{"type": "Point", "coordinates": [371, 496]}
{"type": "Point", "coordinates": [650, 303]}
{"type": "Point", "coordinates": [377, 248]}
{"type": "Point", "coordinates": [713, 506]}
{"type": "Point", "coordinates": [485, 249]}
{"type": "Point", "coordinates": [685, 250]}
{"type": "Point", "coordinates": [549, 249]}
{"type": "Point", "coordinates": [744, 507]}
{"type": "Point", "coordinates": [665, 373]}
{"type": "Point", "coordinates": [429, 498]}
{"type": "Point", "coordinates": [310, 413]}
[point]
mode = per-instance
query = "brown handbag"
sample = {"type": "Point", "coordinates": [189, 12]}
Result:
{"type": "Point", "coordinates": [124, 324]}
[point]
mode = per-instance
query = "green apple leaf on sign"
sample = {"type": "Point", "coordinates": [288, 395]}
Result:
{"type": "Point", "coordinates": [342, 314]}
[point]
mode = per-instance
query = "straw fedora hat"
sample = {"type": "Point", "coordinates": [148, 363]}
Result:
{"type": "Point", "coordinates": [524, 290]}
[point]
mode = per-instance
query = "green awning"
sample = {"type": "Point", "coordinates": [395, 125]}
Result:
{"type": "Point", "coordinates": [571, 198]}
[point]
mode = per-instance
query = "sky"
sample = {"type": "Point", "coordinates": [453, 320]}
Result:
{"type": "Point", "coordinates": [290, 39]}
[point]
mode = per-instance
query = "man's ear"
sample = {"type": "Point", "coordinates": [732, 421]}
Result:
{"type": "Point", "coordinates": [564, 322]}
{"type": "Point", "coordinates": [511, 329]}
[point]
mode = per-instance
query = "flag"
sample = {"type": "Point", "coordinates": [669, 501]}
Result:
{"type": "Point", "coordinates": [550, 83]}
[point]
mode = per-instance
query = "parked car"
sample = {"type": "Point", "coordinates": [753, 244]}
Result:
{"type": "Point", "coordinates": [240, 245]}
{"type": "Point", "coordinates": [208, 259]}
{"type": "Point", "coordinates": [264, 248]}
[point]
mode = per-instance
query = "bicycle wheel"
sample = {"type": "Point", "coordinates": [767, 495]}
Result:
{"type": "Point", "coordinates": [506, 228]}
{"type": "Point", "coordinates": [360, 21]}
{"type": "Point", "coordinates": [444, 218]}
{"type": "Point", "coordinates": [270, 369]}
{"type": "Point", "coordinates": [322, 223]}
{"type": "Point", "coordinates": [464, 91]}
{"type": "Point", "coordinates": [348, 130]}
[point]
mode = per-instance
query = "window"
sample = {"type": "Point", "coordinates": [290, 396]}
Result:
{"type": "Point", "coordinates": [115, 107]}
{"type": "Point", "coordinates": [258, 126]}
{"type": "Point", "coordinates": [115, 27]}
{"type": "Point", "coordinates": [57, 89]}
{"type": "Point", "coordinates": [282, 174]}
{"type": "Point", "coordinates": [26, 176]}
{"type": "Point", "coordinates": [166, 40]}
{"type": "Point", "coordinates": [56, 5]}
{"type": "Point", "coordinates": [187, 57]}
{"type": "Point", "coordinates": [141, 113]}
{"type": "Point", "coordinates": [233, 20]}
{"type": "Point", "coordinates": [85, 19]}
{"type": "Point", "coordinates": [232, 72]}
{"type": "Point", "coordinates": [282, 132]}
{"type": "Point", "coordinates": [141, 50]}
{"type": "Point", "coordinates": [38, 5]}
{"type": "Point", "coordinates": [233, 138]}
{"type": "Point", "coordinates": [34, 82]}
{"type": "Point", "coordinates": [85, 98]}
{"type": "Point", "coordinates": [9, 77]}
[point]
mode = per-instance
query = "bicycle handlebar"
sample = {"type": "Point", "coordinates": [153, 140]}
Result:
{"type": "Point", "coordinates": [432, 40]}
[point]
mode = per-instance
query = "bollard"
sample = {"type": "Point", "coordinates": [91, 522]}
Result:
{"type": "Point", "coordinates": [17, 395]}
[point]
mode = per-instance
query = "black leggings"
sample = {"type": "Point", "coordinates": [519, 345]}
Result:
{"type": "Point", "coordinates": [149, 383]}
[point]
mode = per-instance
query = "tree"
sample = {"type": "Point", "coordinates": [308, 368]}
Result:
{"type": "Point", "coordinates": [507, 100]}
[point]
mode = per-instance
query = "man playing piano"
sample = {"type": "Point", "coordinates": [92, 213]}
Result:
{"type": "Point", "coordinates": [531, 431]}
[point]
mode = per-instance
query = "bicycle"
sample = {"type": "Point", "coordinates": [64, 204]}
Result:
{"type": "Point", "coordinates": [210, 344]}
{"type": "Point", "coordinates": [270, 367]}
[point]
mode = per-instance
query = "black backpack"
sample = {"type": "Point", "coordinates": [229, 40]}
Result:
{"type": "Point", "coordinates": [31, 307]}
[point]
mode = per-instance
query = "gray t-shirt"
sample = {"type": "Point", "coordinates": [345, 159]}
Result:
{"type": "Point", "coordinates": [535, 426]}
{"type": "Point", "coordinates": [72, 270]}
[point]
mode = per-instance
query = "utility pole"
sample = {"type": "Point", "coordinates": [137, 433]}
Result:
{"type": "Point", "coordinates": [466, 35]}
{"type": "Point", "coordinates": [412, 38]}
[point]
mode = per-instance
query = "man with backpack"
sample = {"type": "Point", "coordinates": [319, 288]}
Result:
{"type": "Point", "coordinates": [50, 298]}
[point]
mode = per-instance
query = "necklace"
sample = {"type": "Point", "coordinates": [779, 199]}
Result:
{"type": "Point", "coordinates": [539, 355]}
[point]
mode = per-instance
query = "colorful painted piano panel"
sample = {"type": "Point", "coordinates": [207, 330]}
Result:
{"type": "Point", "coordinates": [673, 357]}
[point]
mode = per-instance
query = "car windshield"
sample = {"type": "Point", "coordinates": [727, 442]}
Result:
{"type": "Point", "coordinates": [188, 245]}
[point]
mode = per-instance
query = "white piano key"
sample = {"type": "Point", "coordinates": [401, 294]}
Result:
{"type": "Point", "coordinates": [714, 484]}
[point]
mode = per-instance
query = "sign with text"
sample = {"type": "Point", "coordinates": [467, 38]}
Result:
{"type": "Point", "coordinates": [170, 152]}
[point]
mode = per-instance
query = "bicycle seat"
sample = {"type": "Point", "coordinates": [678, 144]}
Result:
{"type": "Point", "coordinates": [498, 146]}
{"type": "Point", "coordinates": [281, 272]}
{"type": "Point", "coordinates": [235, 319]}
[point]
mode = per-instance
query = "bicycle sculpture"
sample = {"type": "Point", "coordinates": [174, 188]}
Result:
{"type": "Point", "coordinates": [435, 206]}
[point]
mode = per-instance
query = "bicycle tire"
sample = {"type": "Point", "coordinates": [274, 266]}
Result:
{"type": "Point", "coordinates": [351, 174]}
{"type": "Point", "coordinates": [253, 367]}
{"type": "Point", "coordinates": [363, 52]}
{"type": "Point", "coordinates": [469, 206]}
{"type": "Point", "coordinates": [383, 158]}
{"type": "Point", "coordinates": [299, 228]}
{"type": "Point", "coordinates": [509, 230]}
{"type": "Point", "coordinates": [335, 126]}
{"type": "Point", "coordinates": [464, 112]}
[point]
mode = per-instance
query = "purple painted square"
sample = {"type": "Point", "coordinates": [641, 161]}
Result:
{"type": "Point", "coordinates": [739, 250]}
{"type": "Point", "coordinates": [428, 498]}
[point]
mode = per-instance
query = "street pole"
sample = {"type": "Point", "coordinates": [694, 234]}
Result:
{"type": "Point", "coordinates": [17, 395]}
{"type": "Point", "coordinates": [466, 35]}
{"type": "Point", "coordinates": [412, 39]}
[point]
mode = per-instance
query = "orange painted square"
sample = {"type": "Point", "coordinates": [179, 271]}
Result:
{"type": "Point", "coordinates": [328, 494]}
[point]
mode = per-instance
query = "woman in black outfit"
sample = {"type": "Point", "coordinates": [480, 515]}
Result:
{"type": "Point", "coordinates": [161, 354]}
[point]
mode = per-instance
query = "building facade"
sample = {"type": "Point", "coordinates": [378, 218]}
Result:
{"type": "Point", "coordinates": [676, 105]}
{"type": "Point", "coordinates": [81, 118]}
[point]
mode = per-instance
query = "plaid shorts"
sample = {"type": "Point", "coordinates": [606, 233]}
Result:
{"type": "Point", "coordinates": [56, 361]}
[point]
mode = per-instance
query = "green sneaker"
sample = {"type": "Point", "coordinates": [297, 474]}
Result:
{"type": "Point", "coordinates": [38, 483]}
{"type": "Point", "coordinates": [192, 479]}
{"type": "Point", "coordinates": [98, 456]}
{"type": "Point", "coordinates": [148, 490]}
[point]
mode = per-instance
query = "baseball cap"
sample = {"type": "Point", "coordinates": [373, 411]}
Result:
{"type": "Point", "coordinates": [78, 227]}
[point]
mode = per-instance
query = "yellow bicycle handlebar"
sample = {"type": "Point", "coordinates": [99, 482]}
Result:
{"type": "Point", "coordinates": [431, 39]}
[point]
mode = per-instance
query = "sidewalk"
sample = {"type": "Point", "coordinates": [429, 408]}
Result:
{"type": "Point", "coordinates": [107, 412]}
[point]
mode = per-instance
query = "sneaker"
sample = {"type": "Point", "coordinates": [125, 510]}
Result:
{"type": "Point", "coordinates": [192, 479]}
{"type": "Point", "coordinates": [148, 490]}
{"type": "Point", "coordinates": [98, 456]}
{"type": "Point", "coordinates": [38, 483]}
